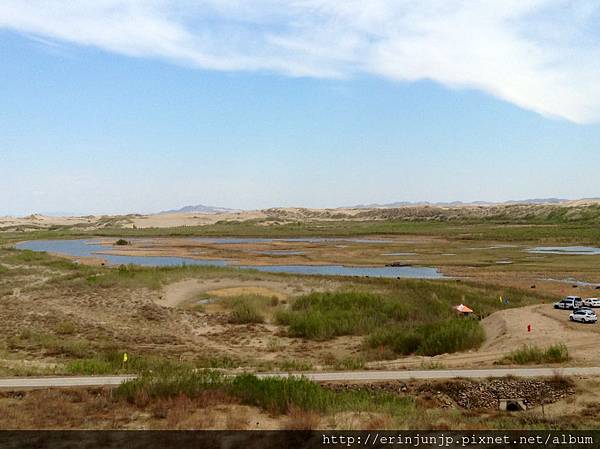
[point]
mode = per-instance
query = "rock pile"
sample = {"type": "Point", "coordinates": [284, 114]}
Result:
{"type": "Point", "coordinates": [486, 394]}
{"type": "Point", "coordinates": [396, 387]}
{"type": "Point", "coordinates": [471, 394]}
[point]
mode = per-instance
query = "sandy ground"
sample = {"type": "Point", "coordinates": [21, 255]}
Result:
{"type": "Point", "coordinates": [192, 219]}
{"type": "Point", "coordinates": [44, 221]}
{"type": "Point", "coordinates": [182, 292]}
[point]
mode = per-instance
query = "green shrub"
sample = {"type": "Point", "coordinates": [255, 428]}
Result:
{"type": "Point", "coordinates": [278, 394]}
{"type": "Point", "coordinates": [171, 382]}
{"type": "Point", "coordinates": [244, 312]}
{"type": "Point", "coordinates": [528, 355]}
{"type": "Point", "coordinates": [66, 328]}
{"type": "Point", "coordinates": [451, 336]}
{"type": "Point", "coordinates": [90, 367]}
{"type": "Point", "coordinates": [350, 363]}
{"type": "Point", "coordinates": [321, 316]}
{"type": "Point", "coordinates": [294, 365]}
{"type": "Point", "coordinates": [433, 339]}
{"type": "Point", "coordinates": [557, 353]}
{"type": "Point", "coordinates": [397, 340]}
{"type": "Point", "coordinates": [122, 242]}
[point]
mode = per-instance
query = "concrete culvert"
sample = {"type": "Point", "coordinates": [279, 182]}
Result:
{"type": "Point", "coordinates": [512, 405]}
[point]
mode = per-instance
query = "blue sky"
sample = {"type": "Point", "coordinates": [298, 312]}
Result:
{"type": "Point", "coordinates": [114, 123]}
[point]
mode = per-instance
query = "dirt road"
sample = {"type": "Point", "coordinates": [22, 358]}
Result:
{"type": "Point", "coordinates": [346, 376]}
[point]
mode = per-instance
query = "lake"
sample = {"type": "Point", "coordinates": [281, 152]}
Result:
{"type": "Point", "coordinates": [92, 248]}
{"type": "Point", "coordinates": [573, 250]}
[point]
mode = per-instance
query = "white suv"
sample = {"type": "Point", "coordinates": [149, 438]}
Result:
{"type": "Point", "coordinates": [591, 302]}
{"type": "Point", "coordinates": [583, 316]}
{"type": "Point", "coordinates": [570, 302]}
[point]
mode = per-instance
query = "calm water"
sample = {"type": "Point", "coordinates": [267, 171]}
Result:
{"type": "Point", "coordinates": [280, 252]}
{"type": "Point", "coordinates": [399, 254]}
{"type": "Point", "coordinates": [573, 250]}
{"type": "Point", "coordinates": [91, 248]}
{"type": "Point", "coordinates": [235, 240]}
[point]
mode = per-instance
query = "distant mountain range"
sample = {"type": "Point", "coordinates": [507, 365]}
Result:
{"type": "Point", "coordinates": [460, 203]}
{"type": "Point", "coordinates": [203, 209]}
{"type": "Point", "coordinates": [199, 208]}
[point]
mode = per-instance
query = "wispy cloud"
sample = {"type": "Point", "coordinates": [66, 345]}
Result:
{"type": "Point", "coordinates": [543, 55]}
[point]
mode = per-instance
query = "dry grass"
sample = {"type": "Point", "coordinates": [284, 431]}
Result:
{"type": "Point", "coordinates": [239, 420]}
{"type": "Point", "coordinates": [299, 419]}
{"type": "Point", "coordinates": [178, 413]}
{"type": "Point", "coordinates": [61, 409]}
{"type": "Point", "coordinates": [560, 380]}
{"type": "Point", "coordinates": [380, 422]}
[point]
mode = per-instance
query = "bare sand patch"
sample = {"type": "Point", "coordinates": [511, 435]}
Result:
{"type": "Point", "coordinates": [246, 290]}
{"type": "Point", "coordinates": [180, 292]}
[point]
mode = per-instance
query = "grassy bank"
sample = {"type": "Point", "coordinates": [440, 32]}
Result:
{"type": "Point", "coordinates": [275, 395]}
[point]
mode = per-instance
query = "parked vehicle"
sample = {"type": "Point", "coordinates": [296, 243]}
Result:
{"type": "Point", "coordinates": [570, 303]}
{"type": "Point", "coordinates": [591, 302]}
{"type": "Point", "coordinates": [563, 304]}
{"type": "Point", "coordinates": [589, 309]}
{"type": "Point", "coordinates": [583, 316]}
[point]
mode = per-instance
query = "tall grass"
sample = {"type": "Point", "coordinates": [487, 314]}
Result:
{"type": "Point", "coordinates": [276, 395]}
{"type": "Point", "coordinates": [321, 316]}
{"type": "Point", "coordinates": [169, 383]}
{"type": "Point", "coordinates": [444, 337]}
{"type": "Point", "coordinates": [390, 303]}
{"type": "Point", "coordinates": [247, 308]}
{"type": "Point", "coordinates": [528, 355]}
{"type": "Point", "coordinates": [451, 336]}
{"type": "Point", "coordinates": [393, 321]}
{"type": "Point", "coordinates": [245, 312]}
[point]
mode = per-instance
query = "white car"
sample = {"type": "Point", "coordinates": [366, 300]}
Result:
{"type": "Point", "coordinates": [570, 302]}
{"type": "Point", "coordinates": [591, 302]}
{"type": "Point", "coordinates": [583, 316]}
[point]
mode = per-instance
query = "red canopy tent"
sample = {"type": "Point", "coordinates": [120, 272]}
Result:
{"type": "Point", "coordinates": [462, 309]}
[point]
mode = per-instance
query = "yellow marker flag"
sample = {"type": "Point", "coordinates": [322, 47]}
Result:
{"type": "Point", "coordinates": [125, 357]}
{"type": "Point", "coordinates": [500, 299]}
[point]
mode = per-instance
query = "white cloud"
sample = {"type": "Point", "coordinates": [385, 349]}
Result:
{"type": "Point", "coordinates": [543, 55]}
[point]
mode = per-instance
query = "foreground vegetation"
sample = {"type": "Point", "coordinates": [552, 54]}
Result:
{"type": "Point", "coordinates": [275, 395]}
{"type": "Point", "coordinates": [207, 400]}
